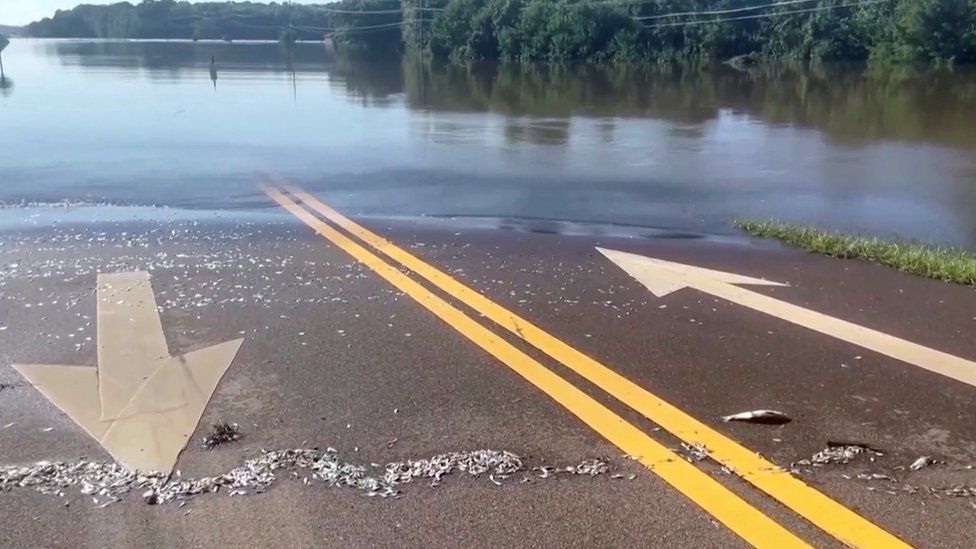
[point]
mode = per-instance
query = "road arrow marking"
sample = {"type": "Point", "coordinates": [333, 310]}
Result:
{"type": "Point", "coordinates": [141, 404]}
{"type": "Point", "coordinates": [130, 339]}
{"type": "Point", "coordinates": [663, 277]}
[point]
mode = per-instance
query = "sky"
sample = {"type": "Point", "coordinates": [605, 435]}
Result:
{"type": "Point", "coordinates": [21, 12]}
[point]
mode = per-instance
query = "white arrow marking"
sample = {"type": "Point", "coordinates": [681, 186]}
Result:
{"type": "Point", "coordinates": [664, 277]}
{"type": "Point", "coordinates": [141, 404]}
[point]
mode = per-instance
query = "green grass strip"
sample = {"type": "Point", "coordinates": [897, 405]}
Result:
{"type": "Point", "coordinates": [948, 264]}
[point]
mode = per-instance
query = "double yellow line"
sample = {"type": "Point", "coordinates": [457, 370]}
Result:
{"type": "Point", "coordinates": [739, 516]}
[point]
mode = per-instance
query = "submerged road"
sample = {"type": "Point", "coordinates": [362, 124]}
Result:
{"type": "Point", "coordinates": [388, 341]}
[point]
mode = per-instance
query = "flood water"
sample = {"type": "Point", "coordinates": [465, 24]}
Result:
{"type": "Point", "coordinates": [188, 126]}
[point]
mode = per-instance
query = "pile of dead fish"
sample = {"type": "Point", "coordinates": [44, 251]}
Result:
{"type": "Point", "coordinates": [108, 482]}
{"type": "Point", "coordinates": [97, 479]}
{"type": "Point", "coordinates": [839, 453]}
{"type": "Point", "coordinates": [842, 453]}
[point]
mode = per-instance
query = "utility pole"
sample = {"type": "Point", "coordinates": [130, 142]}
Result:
{"type": "Point", "coordinates": [421, 53]}
{"type": "Point", "coordinates": [421, 10]}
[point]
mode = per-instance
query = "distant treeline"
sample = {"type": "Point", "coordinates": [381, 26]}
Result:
{"type": "Point", "coordinates": [939, 31]}
{"type": "Point", "coordinates": [170, 19]}
{"type": "Point", "coordinates": [177, 20]}
{"type": "Point", "coordinates": [10, 31]}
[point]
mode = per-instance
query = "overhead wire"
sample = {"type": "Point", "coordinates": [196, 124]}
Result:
{"type": "Point", "coordinates": [655, 17]}
{"type": "Point", "coordinates": [639, 2]}
{"type": "Point", "coordinates": [374, 12]}
{"type": "Point", "coordinates": [726, 11]}
{"type": "Point", "coordinates": [307, 28]}
{"type": "Point", "coordinates": [349, 29]}
{"type": "Point", "coordinates": [763, 15]}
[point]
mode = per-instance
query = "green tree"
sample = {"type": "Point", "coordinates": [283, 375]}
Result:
{"type": "Point", "coordinates": [935, 30]}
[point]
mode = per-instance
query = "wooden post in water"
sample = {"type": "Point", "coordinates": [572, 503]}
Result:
{"type": "Point", "coordinates": [3, 44]}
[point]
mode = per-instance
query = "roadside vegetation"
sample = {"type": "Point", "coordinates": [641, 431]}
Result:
{"type": "Point", "coordinates": [948, 264]}
{"type": "Point", "coordinates": [884, 31]}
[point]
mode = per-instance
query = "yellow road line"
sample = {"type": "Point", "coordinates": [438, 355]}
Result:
{"type": "Point", "coordinates": [728, 508]}
{"type": "Point", "coordinates": [832, 517]}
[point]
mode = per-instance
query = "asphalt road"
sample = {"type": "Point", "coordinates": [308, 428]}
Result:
{"type": "Point", "coordinates": [335, 356]}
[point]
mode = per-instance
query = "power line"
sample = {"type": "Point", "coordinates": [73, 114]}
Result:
{"type": "Point", "coordinates": [764, 15]}
{"type": "Point", "coordinates": [723, 12]}
{"type": "Point", "coordinates": [364, 30]}
{"type": "Point", "coordinates": [375, 12]}
{"type": "Point", "coordinates": [348, 29]}
{"type": "Point", "coordinates": [653, 17]}
{"type": "Point", "coordinates": [318, 9]}
{"type": "Point", "coordinates": [627, 3]}
{"type": "Point", "coordinates": [273, 27]}
{"type": "Point", "coordinates": [306, 28]}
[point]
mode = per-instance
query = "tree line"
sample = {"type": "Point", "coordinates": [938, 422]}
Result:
{"type": "Point", "coordinates": [936, 31]}
{"type": "Point", "coordinates": [818, 30]}
{"type": "Point", "coordinates": [170, 19]}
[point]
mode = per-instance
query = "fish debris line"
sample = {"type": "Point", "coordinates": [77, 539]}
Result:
{"type": "Point", "coordinates": [109, 482]}
{"type": "Point", "coordinates": [840, 453]}
{"type": "Point", "coordinates": [843, 453]}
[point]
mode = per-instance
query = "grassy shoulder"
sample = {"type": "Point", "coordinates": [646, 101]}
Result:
{"type": "Point", "coordinates": [947, 264]}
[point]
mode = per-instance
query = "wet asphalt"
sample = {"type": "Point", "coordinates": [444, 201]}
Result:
{"type": "Point", "coordinates": [335, 357]}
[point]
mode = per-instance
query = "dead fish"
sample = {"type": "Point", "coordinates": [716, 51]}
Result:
{"type": "Point", "coordinates": [876, 476]}
{"type": "Point", "coordinates": [921, 463]}
{"type": "Point", "coordinates": [766, 417]}
{"type": "Point", "coordinates": [694, 452]}
{"type": "Point", "coordinates": [111, 481]}
{"type": "Point", "coordinates": [846, 444]}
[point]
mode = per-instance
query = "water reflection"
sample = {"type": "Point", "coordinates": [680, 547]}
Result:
{"type": "Point", "coordinates": [377, 83]}
{"type": "Point", "coordinates": [213, 71]}
{"type": "Point", "coordinates": [707, 130]}
{"type": "Point", "coordinates": [844, 102]}
{"type": "Point", "coordinates": [543, 132]}
{"type": "Point", "coordinates": [179, 59]}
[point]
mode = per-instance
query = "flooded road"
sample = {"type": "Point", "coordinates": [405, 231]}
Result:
{"type": "Point", "coordinates": [582, 149]}
{"type": "Point", "coordinates": [364, 331]}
